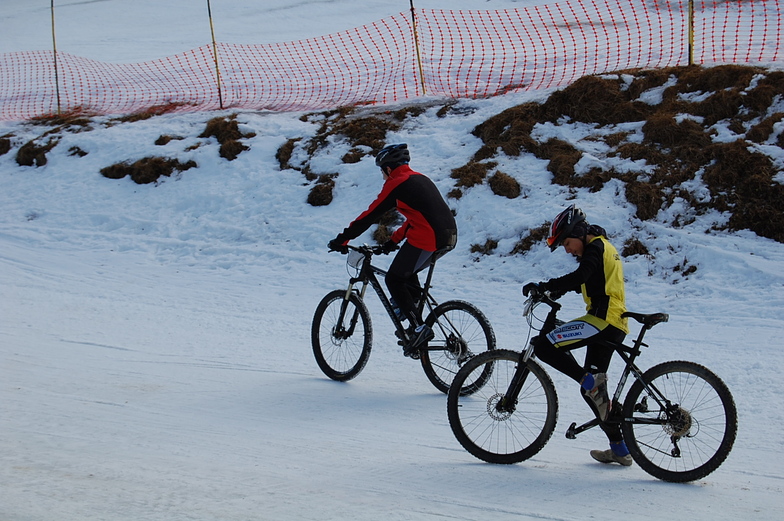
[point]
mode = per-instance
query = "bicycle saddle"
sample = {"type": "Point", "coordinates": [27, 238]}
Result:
{"type": "Point", "coordinates": [649, 320]}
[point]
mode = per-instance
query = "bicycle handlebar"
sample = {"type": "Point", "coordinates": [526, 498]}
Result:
{"type": "Point", "coordinates": [364, 249]}
{"type": "Point", "coordinates": [372, 250]}
{"type": "Point", "coordinates": [540, 297]}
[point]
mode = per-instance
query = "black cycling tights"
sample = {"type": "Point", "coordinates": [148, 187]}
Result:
{"type": "Point", "coordinates": [402, 274]}
{"type": "Point", "coordinates": [597, 360]}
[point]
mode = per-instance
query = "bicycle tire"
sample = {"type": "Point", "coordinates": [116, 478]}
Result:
{"type": "Point", "coordinates": [461, 332]}
{"type": "Point", "coordinates": [341, 357]}
{"type": "Point", "coordinates": [705, 422]}
{"type": "Point", "coordinates": [502, 437]}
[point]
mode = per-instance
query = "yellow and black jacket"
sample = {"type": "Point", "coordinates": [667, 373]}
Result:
{"type": "Point", "coordinates": [600, 279]}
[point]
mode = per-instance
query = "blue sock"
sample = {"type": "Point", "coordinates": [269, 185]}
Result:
{"type": "Point", "coordinates": [588, 382]}
{"type": "Point", "coordinates": [619, 448]}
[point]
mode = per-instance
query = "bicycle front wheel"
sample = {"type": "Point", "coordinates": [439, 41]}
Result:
{"type": "Point", "coordinates": [341, 335]}
{"type": "Point", "coordinates": [461, 332]}
{"type": "Point", "coordinates": [689, 435]}
{"type": "Point", "coordinates": [495, 434]}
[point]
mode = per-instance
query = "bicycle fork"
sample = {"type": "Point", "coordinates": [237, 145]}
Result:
{"type": "Point", "coordinates": [508, 401]}
{"type": "Point", "coordinates": [340, 331]}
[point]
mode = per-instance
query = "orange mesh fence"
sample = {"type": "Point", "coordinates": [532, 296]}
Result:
{"type": "Point", "coordinates": [458, 54]}
{"type": "Point", "coordinates": [482, 53]}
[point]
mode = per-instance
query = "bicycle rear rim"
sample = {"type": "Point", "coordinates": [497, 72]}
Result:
{"type": "Point", "coordinates": [694, 437]}
{"type": "Point", "coordinates": [461, 332]}
{"type": "Point", "coordinates": [497, 436]}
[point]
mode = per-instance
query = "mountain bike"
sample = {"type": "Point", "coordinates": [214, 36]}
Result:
{"type": "Point", "coordinates": [678, 418]}
{"type": "Point", "coordinates": [342, 333]}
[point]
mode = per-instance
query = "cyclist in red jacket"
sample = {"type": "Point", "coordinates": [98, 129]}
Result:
{"type": "Point", "coordinates": [429, 227]}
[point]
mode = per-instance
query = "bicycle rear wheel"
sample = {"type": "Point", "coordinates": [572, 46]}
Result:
{"type": "Point", "coordinates": [494, 435]}
{"type": "Point", "coordinates": [461, 332]}
{"type": "Point", "coordinates": [341, 346]}
{"type": "Point", "coordinates": [691, 437]}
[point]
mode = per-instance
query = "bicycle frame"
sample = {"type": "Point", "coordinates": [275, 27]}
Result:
{"type": "Point", "coordinates": [369, 276]}
{"type": "Point", "coordinates": [627, 353]}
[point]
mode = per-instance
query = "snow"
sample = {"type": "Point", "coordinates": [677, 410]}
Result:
{"type": "Point", "coordinates": [155, 358]}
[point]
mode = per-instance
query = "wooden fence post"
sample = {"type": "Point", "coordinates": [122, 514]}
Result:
{"type": "Point", "coordinates": [215, 55]}
{"type": "Point", "coordinates": [418, 54]}
{"type": "Point", "coordinates": [54, 50]}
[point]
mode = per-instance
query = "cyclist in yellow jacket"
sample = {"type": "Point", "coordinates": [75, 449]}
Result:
{"type": "Point", "coordinates": [599, 277]}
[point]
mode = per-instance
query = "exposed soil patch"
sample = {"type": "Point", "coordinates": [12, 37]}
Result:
{"type": "Point", "coordinates": [228, 134]}
{"type": "Point", "coordinates": [147, 170]}
{"type": "Point", "coordinates": [364, 131]}
{"type": "Point", "coordinates": [5, 145]}
{"type": "Point", "coordinates": [33, 153]}
{"type": "Point", "coordinates": [678, 140]}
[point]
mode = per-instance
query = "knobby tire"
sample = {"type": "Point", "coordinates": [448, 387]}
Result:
{"type": "Point", "coordinates": [340, 356]}
{"type": "Point", "coordinates": [705, 422]}
{"type": "Point", "coordinates": [502, 437]}
{"type": "Point", "coordinates": [461, 332]}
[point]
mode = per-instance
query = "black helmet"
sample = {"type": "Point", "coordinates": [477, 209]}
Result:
{"type": "Point", "coordinates": [393, 156]}
{"type": "Point", "coordinates": [564, 225]}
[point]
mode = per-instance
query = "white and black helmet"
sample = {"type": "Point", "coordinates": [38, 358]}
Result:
{"type": "Point", "coordinates": [393, 156]}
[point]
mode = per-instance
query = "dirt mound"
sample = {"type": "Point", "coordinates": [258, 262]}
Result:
{"type": "Point", "coordinates": [679, 140]}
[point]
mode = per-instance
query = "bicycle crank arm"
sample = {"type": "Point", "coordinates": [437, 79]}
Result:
{"type": "Point", "coordinates": [574, 430]}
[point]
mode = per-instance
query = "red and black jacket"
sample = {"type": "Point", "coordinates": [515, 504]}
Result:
{"type": "Point", "coordinates": [429, 223]}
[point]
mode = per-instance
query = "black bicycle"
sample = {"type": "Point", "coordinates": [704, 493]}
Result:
{"type": "Point", "coordinates": [678, 418]}
{"type": "Point", "coordinates": [342, 333]}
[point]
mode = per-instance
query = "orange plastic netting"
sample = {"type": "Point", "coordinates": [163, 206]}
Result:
{"type": "Point", "coordinates": [456, 54]}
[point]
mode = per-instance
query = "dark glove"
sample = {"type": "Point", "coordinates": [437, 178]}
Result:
{"type": "Point", "coordinates": [337, 244]}
{"type": "Point", "coordinates": [555, 295]}
{"type": "Point", "coordinates": [389, 247]}
{"type": "Point", "coordinates": [533, 288]}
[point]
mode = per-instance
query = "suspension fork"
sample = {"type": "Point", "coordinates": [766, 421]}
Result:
{"type": "Point", "coordinates": [509, 400]}
{"type": "Point", "coordinates": [340, 328]}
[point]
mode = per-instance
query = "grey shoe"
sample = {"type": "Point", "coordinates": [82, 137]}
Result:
{"type": "Point", "coordinates": [608, 456]}
{"type": "Point", "coordinates": [599, 396]}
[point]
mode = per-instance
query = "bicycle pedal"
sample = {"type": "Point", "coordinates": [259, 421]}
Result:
{"type": "Point", "coordinates": [570, 434]}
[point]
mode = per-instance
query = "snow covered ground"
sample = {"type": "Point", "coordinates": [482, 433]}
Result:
{"type": "Point", "coordinates": [155, 358]}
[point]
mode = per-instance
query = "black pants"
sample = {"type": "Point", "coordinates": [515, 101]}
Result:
{"type": "Point", "coordinates": [597, 360]}
{"type": "Point", "coordinates": [403, 282]}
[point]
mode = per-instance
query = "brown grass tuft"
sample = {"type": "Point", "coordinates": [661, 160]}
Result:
{"type": "Point", "coordinates": [321, 192]}
{"type": "Point", "coordinates": [535, 236]}
{"type": "Point", "coordinates": [563, 157]}
{"type": "Point", "coordinates": [504, 185]}
{"type": "Point", "coordinates": [592, 99]}
{"type": "Point", "coordinates": [633, 246]}
{"type": "Point", "coordinates": [284, 153]}
{"type": "Point", "coordinates": [471, 174]}
{"type": "Point", "coordinates": [147, 170]}
{"type": "Point", "coordinates": [34, 153]}
{"type": "Point", "coordinates": [742, 182]}
{"type": "Point", "coordinates": [509, 131]}
{"type": "Point", "coordinates": [166, 139]}
{"type": "Point", "coordinates": [485, 249]}
{"type": "Point", "coordinates": [386, 225]}
{"type": "Point", "coordinates": [5, 145]}
{"type": "Point", "coordinates": [227, 132]}
{"type": "Point", "coordinates": [646, 197]}
{"type": "Point", "coordinates": [760, 132]}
